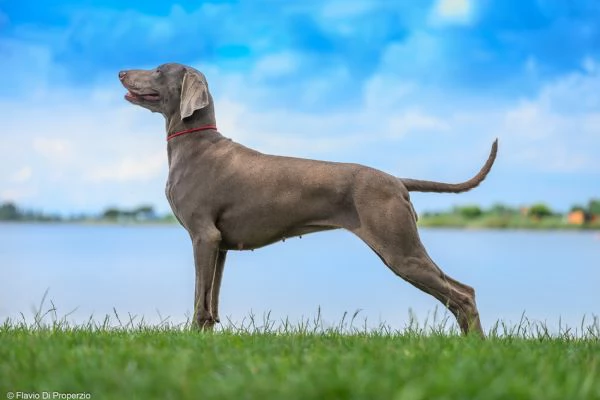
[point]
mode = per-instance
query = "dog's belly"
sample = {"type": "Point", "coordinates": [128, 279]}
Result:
{"type": "Point", "coordinates": [275, 215]}
{"type": "Point", "coordinates": [253, 237]}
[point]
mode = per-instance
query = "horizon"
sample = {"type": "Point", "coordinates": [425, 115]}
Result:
{"type": "Point", "coordinates": [99, 212]}
{"type": "Point", "coordinates": [416, 89]}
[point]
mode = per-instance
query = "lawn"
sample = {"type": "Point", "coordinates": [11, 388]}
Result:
{"type": "Point", "coordinates": [136, 361]}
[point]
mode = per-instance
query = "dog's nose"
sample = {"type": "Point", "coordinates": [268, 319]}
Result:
{"type": "Point", "coordinates": [122, 75]}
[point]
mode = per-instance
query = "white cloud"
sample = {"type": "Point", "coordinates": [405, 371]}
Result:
{"type": "Point", "coordinates": [343, 16]}
{"type": "Point", "coordinates": [291, 133]}
{"type": "Point", "coordinates": [574, 93]}
{"type": "Point", "coordinates": [27, 67]}
{"type": "Point", "coordinates": [343, 8]}
{"type": "Point", "coordinates": [542, 139]}
{"type": "Point", "coordinates": [22, 175]}
{"type": "Point", "coordinates": [276, 65]}
{"type": "Point", "coordinates": [459, 12]}
{"type": "Point", "coordinates": [135, 168]}
{"type": "Point", "coordinates": [16, 194]}
{"type": "Point", "coordinates": [421, 55]}
{"type": "Point", "coordinates": [385, 91]}
{"type": "Point", "coordinates": [415, 121]}
{"type": "Point", "coordinates": [321, 85]}
{"type": "Point", "coordinates": [54, 149]}
{"type": "Point", "coordinates": [589, 65]}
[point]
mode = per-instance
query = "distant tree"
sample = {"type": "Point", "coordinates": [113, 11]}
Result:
{"type": "Point", "coordinates": [594, 207]}
{"type": "Point", "coordinates": [9, 212]}
{"type": "Point", "coordinates": [577, 207]}
{"type": "Point", "coordinates": [540, 210]}
{"type": "Point", "coordinates": [469, 212]}
{"type": "Point", "coordinates": [144, 213]}
{"type": "Point", "coordinates": [502, 210]}
{"type": "Point", "coordinates": [127, 213]}
{"type": "Point", "coordinates": [111, 213]}
{"type": "Point", "coordinates": [169, 218]}
{"type": "Point", "coordinates": [145, 209]}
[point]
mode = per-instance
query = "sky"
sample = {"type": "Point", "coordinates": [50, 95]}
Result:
{"type": "Point", "coordinates": [416, 88]}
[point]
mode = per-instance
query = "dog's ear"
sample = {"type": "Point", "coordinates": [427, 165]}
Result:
{"type": "Point", "coordinates": [194, 94]}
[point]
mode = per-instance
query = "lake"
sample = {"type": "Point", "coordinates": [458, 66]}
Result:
{"type": "Point", "coordinates": [147, 271]}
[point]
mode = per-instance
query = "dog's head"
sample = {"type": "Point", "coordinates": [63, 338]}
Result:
{"type": "Point", "coordinates": [173, 90]}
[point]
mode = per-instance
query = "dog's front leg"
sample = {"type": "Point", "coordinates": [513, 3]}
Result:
{"type": "Point", "coordinates": [206, 249]}
{"type": "Point", "coordinates": [216, 285]}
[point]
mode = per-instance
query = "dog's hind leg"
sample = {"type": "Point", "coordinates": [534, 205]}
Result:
{"type": "Point", "coordinates": [459, 298]}
{"type": "Point", "coordinates": [419, 270]}
{"type": "Point", "coordinates": [390, 230]}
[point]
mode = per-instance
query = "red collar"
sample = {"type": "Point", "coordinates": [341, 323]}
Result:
{"type": "Point", "coordinates": [200, 128]}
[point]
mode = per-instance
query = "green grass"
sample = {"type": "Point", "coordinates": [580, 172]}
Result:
{"type": "Point", "coordinates": [259, 360]}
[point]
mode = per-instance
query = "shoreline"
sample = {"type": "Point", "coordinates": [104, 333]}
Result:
{"type": "Point", "coordinates": [421, 224]}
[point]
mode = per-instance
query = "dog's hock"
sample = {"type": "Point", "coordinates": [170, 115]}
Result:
{"type": "Point", "coordinates": [194, 94]}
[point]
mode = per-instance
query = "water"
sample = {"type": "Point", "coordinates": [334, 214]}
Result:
{"type": "Point", "coordinates": [148, 271]}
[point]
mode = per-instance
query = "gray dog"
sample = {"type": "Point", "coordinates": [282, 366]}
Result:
{"type": "Point", "coordinates": [230, 197]}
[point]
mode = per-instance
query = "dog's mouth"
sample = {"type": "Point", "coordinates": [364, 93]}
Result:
{"type": "Point", "coordinates": [145, 96]}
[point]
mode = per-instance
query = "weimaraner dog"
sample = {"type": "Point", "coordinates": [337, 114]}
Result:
{"type": "Point", "coordinates": [230, 197]}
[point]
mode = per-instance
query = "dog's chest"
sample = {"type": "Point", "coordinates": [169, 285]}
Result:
{"type": "Point", "coordinates": [187, 198]}
{"type": "Point", "coordinates": [177, 201]}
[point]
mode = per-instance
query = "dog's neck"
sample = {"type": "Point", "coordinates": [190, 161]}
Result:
{"type": "Point", "coordinates": [192, 130]}
{"type": "Point", "coordinates": [191, 143]}
{"type": "Point", "coordinates": [203, 117]}
{"type": "Point", "coordinates": [199, 129]}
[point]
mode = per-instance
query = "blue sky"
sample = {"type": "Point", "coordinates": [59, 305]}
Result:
{"type": "Point", "coordinates": [415, 88]}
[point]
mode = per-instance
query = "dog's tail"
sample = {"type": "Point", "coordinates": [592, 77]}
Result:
{"type": "Point", "coordinates": [415, 185]}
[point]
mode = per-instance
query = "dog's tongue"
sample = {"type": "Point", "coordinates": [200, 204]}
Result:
{"type": "Point", "coordinates": [150, 97]}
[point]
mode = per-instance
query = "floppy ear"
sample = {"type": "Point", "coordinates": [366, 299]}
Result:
{"type": "Point", "coordinates": [194, 94]}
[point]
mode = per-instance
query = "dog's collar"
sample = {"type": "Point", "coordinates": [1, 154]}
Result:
{"type": "Point", "coordinates": [200, 128]}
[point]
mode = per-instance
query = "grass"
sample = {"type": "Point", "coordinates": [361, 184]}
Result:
{"type": "Point", "coordinates": [116, 359]}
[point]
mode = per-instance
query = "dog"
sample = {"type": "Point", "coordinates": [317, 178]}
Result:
{"type": "Point", "coordinates": [230, 197]}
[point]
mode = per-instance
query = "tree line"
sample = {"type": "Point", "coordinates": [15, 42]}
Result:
{"type": "Point", "coordinates": [9, 211]}
{"type": "Point", "coordinates": [537, 210]}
